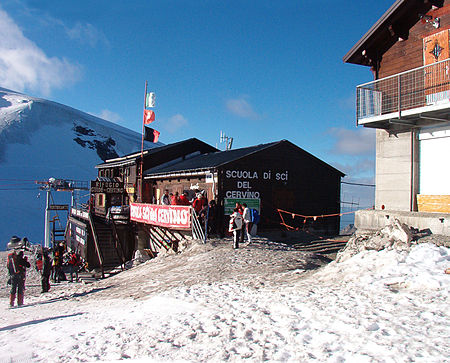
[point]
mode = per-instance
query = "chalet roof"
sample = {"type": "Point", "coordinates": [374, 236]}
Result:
{"type": "Point", "coordinates": [395, 22]}
{"type": "Point", "coordinates": [133, 157]}
{"type": "Point", "coordinates": [205, 162]}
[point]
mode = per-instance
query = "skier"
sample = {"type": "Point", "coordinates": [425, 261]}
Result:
{"type": "Point", "coordinates": [17, 264]}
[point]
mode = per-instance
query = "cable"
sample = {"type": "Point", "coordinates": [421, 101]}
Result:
{"type": "Point", "coordinates": [27, 180]}
{"type": "Point", "coordinates": [17, 189]}
{"type": "Point", "coordinates": [362, 185]}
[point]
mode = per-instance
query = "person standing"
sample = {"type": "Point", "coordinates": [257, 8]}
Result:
{"type": "Point", "coordinates": [240, 209]}
{"type": "Point", "coordinates": [57, 266]}
{"type": "Point", "coordinates": [212, 217]}
{"type": "Point", "coordinates": [235, 227]}
{"type": "Point", "coordinates": [174, 200]}
{"type": "Point", "coordinates": [17, 264]}
{"type": "Point", "coordinates": [247, 216]}
{"type": "Point", "coordinates": [184, 200]}
{"type": "Point", "coordinates": [198, 203]}
{"type": "Point", "coordinates": [165, 200]}
{"type": "Point", "coordinates": [46, 271]}
{"type": "Point", "coordinates": [73, 263]}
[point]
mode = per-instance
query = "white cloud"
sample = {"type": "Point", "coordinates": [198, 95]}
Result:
{"type": "Point", "coordinates": [175, 123]}
{"type": "Point", "coordinates": [86, 34]}
{"type": "Point", "coordinates": [23, 65]}
{"type": "Point", "coordinates": [242, 108]}
{"type": "Point", "coordinates": [360, 141]}
{"type": "Point", "coordinates": [363, 168]}
{"type": "Point", "coordinates": [109, 116]}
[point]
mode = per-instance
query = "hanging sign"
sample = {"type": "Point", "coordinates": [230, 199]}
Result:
{"type": "Point", "coordinates": [172, 216]}
{"type": "Point", "coordinates": [98, 186]}
{"type": "Point", "coordinates": [58, 207]}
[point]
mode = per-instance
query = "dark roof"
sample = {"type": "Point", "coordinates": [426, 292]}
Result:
{"type": "Point", "coordinates": [133, 157]}
{"type": "Point", "coordinates": [216, 159]}
{"type": "Point", "coordinates": [206, 161]}
{"type": "Point", "coordinates": [395, 22]}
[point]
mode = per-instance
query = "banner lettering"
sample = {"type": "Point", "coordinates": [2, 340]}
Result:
{"type": "Point", "coordinates": [172, 216]}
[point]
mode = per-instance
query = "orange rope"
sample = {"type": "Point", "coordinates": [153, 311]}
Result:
{"type": "Point", "coordinates": [313, 217]}
{"type": "Point", "coordinates": [283, 223]}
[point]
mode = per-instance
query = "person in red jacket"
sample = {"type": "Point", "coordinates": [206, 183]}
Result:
{"type": "Point", "coordinates": [184, 199]}
{"type": "Point", "coordinates": [175, 199]}
{"type": "Point", "coordinates": [74, 263]}
{"type": "Point", "coordinates": [199, 203]}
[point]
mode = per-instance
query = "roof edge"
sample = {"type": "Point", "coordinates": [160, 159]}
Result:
{"type": "Point", "coordinates": [373, 29]}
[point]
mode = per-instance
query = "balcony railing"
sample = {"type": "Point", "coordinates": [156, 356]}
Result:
{"type": "Point", "coordinates": [409, 93]}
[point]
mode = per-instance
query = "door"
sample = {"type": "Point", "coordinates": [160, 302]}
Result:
{"type": "Point", "coordinates": [437, 78]}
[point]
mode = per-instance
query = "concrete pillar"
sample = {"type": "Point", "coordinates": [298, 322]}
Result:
{"type": "Point", "coordinates": [395, 179]}
{"type": "Point", "coordinates": [142, 240]}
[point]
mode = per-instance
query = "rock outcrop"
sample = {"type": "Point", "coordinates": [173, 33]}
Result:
{"type": "Point", "coordinates": [396, 235]}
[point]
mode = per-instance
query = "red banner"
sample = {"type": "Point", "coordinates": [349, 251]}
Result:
{"type": "Point", "coordinates": [172, 216]}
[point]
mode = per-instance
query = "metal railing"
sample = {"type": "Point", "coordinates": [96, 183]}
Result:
{"type": "Point", "coordinates": [426, 86]}
{"type": "Point", "coordinates": [197, 230]}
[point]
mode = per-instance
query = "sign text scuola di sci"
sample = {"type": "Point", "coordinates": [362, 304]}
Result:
{"type": "Point", "coordinates": [172, 216]}
{"type": "Point", "coordinates": [246, 178]}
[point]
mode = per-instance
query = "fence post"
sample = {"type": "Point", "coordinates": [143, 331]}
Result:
{"type": "Point", "coordinates": [399, 98]}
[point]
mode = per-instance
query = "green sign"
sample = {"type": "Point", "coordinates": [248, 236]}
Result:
{"type": "Point", "coordinates": [230, 204]}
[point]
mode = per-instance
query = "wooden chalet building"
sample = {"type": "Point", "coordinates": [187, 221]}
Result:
{"type": "Point", "coordinates": [102, 231]}
{"type": "Point", "coordinates": [268, 177]}
{"type": "Point", "coordinates": [408, 103]}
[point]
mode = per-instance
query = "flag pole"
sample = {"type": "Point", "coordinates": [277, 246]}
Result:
{"type": "Point", "coordinates": [141, 180]}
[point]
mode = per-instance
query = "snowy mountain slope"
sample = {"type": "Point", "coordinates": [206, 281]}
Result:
{"type": "Point", "coordinates": [40, 139]}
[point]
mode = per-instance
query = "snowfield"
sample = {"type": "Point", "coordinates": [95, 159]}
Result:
{"type": "Point", "coordinates": [263, 302]}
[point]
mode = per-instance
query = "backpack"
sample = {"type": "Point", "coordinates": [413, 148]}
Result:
{"type": "Point", "coordinates": [11, 264]}
{"type": "Point", "coordinates": [255, 216]}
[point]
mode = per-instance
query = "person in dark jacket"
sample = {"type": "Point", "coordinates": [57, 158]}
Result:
{"type": "Point", "coordinates": [212, 217]}
{"type": "Point", "coordinates": [46, 271]}
{"type": "Point", "coordinates": [17, 265]}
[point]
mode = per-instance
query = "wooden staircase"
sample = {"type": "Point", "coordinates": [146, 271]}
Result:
{"type": "Point", "coordinates": [108, 246]}
{"type": "Point", "coordinates": [325, 246]}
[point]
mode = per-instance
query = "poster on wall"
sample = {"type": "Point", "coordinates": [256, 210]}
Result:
{"type": "Point", "coordinates": [230, 204]}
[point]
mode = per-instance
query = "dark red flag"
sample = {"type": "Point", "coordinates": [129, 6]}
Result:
{"type": "Point", "coordinates": [151, 134]}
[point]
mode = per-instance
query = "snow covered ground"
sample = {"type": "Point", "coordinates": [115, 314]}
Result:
{"type": "Point", "coordinates": [262, 302]}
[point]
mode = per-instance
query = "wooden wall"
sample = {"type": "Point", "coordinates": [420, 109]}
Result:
{"type": "Point", "coordinates": [407, 54]}
{"type": "Point", "coordinates": [290, 179]}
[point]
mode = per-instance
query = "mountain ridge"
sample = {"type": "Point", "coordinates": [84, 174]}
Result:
{"type": "Point", "coordinates": [40, 139]}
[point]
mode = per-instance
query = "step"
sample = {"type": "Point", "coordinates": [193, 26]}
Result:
{"type": "Point", "coordinates": [86, 277]}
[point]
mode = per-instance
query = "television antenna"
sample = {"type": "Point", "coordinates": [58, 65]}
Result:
{"type": "Point", "coordinates": [227, 140]}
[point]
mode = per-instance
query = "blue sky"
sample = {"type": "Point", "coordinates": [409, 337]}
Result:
{"type": "Point", "coordinates": [260, 71]}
